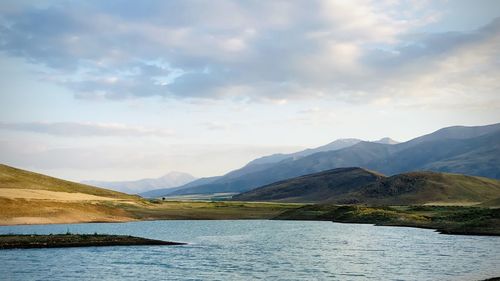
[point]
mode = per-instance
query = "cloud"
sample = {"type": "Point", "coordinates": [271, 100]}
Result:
{"type": "Point", "coordinates": [354, 51]}
{"type": "Point", "coordinates": [447, 69]}
{"type": "Point", "coordinates": [71, 129]}
{"type": "Point", "coordinates": [130, 160]}
{"type": "Point", "coordinates": [137, 79]}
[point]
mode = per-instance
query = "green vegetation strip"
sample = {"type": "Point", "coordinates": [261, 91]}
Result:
{"type": "Point", "coordinates": [18, 241]}
{"type": "Point", "coordinates": [206, 210]}
{"type": "Point", "coordinates": [445, 219]}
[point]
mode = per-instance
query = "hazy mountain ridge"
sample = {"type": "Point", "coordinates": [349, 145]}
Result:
{"type": "Point", "coordinates": [162, 191]}
{"type": "Point", "coordinates": [171, 179]}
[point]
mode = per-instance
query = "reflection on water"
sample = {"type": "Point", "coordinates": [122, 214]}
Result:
{"type": "Point", "coordinates": [258, 249]}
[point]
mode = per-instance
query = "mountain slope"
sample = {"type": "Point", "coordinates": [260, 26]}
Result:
{"type": "Point", "coordinates": [479, 156]}
{"type": "Point", "coordinates": [334, 145]}
{"type": "Point", "coordinates": [169, 180]}
{"type": "Point", "coordinates": [455, 132]}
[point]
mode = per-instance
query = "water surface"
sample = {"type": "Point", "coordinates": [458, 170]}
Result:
{"type": "Point", "coordinates": [257, 249]}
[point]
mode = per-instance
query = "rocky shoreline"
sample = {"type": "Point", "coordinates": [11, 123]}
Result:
{"type": "Point", "coordinates": [27, 241]}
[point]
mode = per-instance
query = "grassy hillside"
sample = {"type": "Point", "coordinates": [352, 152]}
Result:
{"type": "Point", "coordinates": [425, 188]}
{"type": "Point", "coordinates": [495, 203]}
{"type": "Point", "coordinates": [360, 186]}
{"type": "Point", "coordinates": [13, 178]}
{"type": "Point", "coordinates": [313, 188]}
{"type": "Point", "coordinates": [32, 198]}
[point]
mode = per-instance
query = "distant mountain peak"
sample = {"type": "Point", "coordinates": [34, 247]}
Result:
{"type": "Point", "coordinates": [386, 140]}
{"type": "Point", "coordinates": [176, 175]}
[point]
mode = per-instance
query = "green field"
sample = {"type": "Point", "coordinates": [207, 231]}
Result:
{"type": "Point", "coordinates": [200, 197]}
{"type": "Point", "coordinates": [209, 210]}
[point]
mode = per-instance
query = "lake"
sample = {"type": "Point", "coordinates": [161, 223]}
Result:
{"type": "Point", "coordinates": [257, 249]}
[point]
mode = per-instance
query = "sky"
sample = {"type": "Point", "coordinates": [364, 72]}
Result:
{"type": "Point", "coordinates": [122, 90]}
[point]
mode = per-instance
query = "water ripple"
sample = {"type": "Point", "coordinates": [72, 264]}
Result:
{"type": "Point", "coordinates": [258, 250]}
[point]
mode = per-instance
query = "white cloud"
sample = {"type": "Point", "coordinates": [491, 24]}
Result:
{"type": "Point", "coordinates": [262, 51]}
{"type": "Point", "coordinates": [72, 129]}
{"type": "Point", "coordinates": [128, 161]}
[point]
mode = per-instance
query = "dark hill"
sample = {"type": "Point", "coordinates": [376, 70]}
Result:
{"type": "Point", "coordinates": [313, 188]}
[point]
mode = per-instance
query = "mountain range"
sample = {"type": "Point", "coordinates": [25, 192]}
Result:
{"type": "Point", "coordinates": [256, 165]}
{"type": "Point", "coordinates": [458, 149]}
{"type": "Point", "coordinates": [361, 186]}
{"type": "Point", "coordinates": [167, 181]}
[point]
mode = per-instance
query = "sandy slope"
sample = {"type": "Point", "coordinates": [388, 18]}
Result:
{"type": "Point", "coordinates": [81, 218]}
{"type": "Point", "coordinates": [43, 211]}
{"type": "Point", "coordinates": [31, 206]}
{"type": "Point", "coordinates": [31, 198]}
{"type": "Point", "coordinates": [13, 193]}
